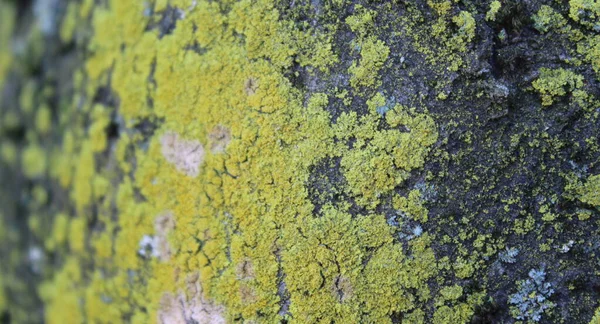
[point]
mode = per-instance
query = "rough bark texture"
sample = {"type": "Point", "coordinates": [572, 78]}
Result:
{"type": "Point", "coordinates": [263, 161]}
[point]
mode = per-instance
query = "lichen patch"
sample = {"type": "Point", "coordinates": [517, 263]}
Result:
{"type": "Point", "coordinates": [185, 155]}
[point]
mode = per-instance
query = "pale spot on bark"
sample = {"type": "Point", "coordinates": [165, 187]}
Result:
{"type": "Point", "coordinates": [185, 155]}
{"type": "Point", "coordinates": [342, 288]}
{"type": "Point", "coordinates": [250, 86]}
{"type": "Point", "coordinates": [163, 225]}
{"type": "Point", "coordinates": [189, 306]}
{"type": "Point", "coordinates": [245, 270]}
{"type": "Point", "coordinates": [219, 137]}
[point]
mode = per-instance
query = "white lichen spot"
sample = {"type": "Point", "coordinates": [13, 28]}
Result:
{"type": "Point", "coordinates": [157, 246]}
{"type": "Point", "coordinates": [185, 155]}
{"type": "Point", "coordinates": [148, 246]}
{"type": "Point", "coordinates": [189, 306]}
{"type": "Point", "coordinates": [219, 137]}
{"type": "Point", "coordinates": [567, 246]}
{"type": "Point", "coordinates": [36, 258]}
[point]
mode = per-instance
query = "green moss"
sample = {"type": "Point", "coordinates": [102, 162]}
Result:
{"type": "Point", "coordinates": [451, 293]}
{"type": "Point", "coordinates": [553, 83]}
{"type": "Point", "coordinates": [362, 21]}
{"type": "Point", "coordinates": [466, 26]}
{"type": "Point", "coordinates": [69, 22]}
{"type": "Point", "coordinates": [412, 206]}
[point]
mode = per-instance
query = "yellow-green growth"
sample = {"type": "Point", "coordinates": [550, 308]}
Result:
{"type": "Point", "coordinates": [244, 226]}
{"type": "Point", "coordinates": [381, 160]}
{"type": "Point", "coordinates": [585, 12]}
{"type": "Point", "coordinates": [589, 193]}
{"type": "Point", "coordinates": [34, 161]}
{"type": "Point", "coordinates": [493, 11]}
{"type": "Point", "coordinates": [596, 318]}
{"type": "Point", "coordinates": [373, 54]}
{"type": "Point", "coordinates": [7, 20]}
{"type": "Point", "coordinates": [547, 19]}
{"type": "Point", "coordinates": [553, 83]}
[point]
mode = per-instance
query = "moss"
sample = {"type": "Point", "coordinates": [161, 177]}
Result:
{"type": "Point", "coordinates": [3, 302]}
{"type": "Point", "coordinates": [451, 293]}
{"type": "Point", "coordinates": [466, 24]}
{"type": "Point", "coordinates": [553, 83]}
{"type": "Point", "coordinates": [60, 229]}
{"type": "Point", "coordinates": [97, 131]}
{"type": "Point", "coordinates": [412, 206]}
{"type": "Point", "coordinates": [381, 160]}
{"type": "Point", "coordinates": [84, 174]}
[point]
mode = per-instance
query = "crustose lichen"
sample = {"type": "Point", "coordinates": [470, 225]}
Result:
{"type": "Point", "coordinates": [530, 302]}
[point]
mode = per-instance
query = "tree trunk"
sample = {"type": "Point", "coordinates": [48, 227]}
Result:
{"type": "Point", "coordinates": [275, 161]}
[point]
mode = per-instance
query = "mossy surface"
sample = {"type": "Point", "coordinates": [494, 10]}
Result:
{"type": "Point", "coordinates": [280, 161]}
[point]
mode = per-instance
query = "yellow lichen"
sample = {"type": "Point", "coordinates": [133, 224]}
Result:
{"type": "Point", "coordinates": [232, 228]}
{"type": "Point", "coordinates": [34, 161]}
{"type": "Point", "coordinates": [494, 8]}
{"type": "Point", "coordinates": [553, 83]}
{"type": "Point", "coordinates": [373, 54]}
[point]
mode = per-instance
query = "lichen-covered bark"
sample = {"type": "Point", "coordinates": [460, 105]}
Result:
{"type": "Point", "coordinates": [265, 161]}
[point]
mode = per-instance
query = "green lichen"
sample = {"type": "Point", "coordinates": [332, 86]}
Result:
{"type": "Point", "coordinates": [245, 237]}
{"type": "Point", "coordinates": [7, 21]}
{"type": "Point", "coordinates": [236, 246]}
{"type": "Point", "coordinates": [382, 160]}
{"type": "Point", "coordinates": [493, 11]}
{"type": "Point", "coordinates": [589, 192]}
{"type": "Point", "coordinates": [584, 12]}
{"type": "Point", "coordinates": [553, 83]}
{"type": "Point", "coordinates": [34, 161]}
{"type": "Point", "coordinates": [547, 19]}
{"type": "Point", "coordinates": [373, 54]}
